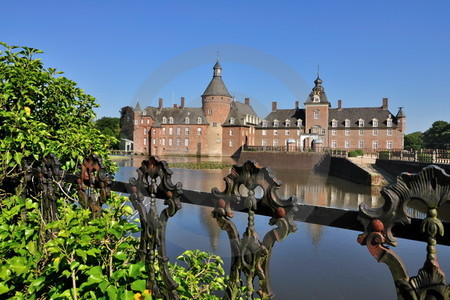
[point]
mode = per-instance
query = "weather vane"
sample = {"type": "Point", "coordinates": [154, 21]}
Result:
{"type": "Point", "coordinates": [217, 55]}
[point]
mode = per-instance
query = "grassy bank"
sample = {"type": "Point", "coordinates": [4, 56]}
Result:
{"type": "Point", "coordinates": [119, 157]}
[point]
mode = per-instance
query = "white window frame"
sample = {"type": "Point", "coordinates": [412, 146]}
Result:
{"type": "Point", "coordinates": [199, 120]}
{"type": "Point", "coordinates": [199, 131]}
{"type": "Point", "coordinates": [170, 120]}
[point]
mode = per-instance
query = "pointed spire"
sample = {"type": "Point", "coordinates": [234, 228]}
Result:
{"type": "Point", "coordinates": [217, 87]}
{"type": "Point", "coordinates": [138, 107]}
{"type": "Point", "coordinates": [400, 113]}
{"type": "Point", "coordinates": [217, 69]}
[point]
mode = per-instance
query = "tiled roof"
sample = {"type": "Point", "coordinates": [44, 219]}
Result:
{"type": "Point", "coordinates": [238, 111]}
{"type": "Point", "coordinates": [216, 88]}
{"type": "Point", "coordinates": [178, 114]}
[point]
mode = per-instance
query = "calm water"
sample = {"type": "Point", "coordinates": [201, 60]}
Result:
{"type": "Point", "coordinates": [316, 262]}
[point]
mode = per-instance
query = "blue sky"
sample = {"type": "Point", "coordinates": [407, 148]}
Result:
{"type": "Point", "coordinates": [142, 50]}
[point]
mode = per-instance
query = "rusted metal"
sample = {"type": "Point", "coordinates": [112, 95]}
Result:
{"type": "Point", "coordinates": [431, 186]}
{"type": "Point", "coordinates": [154, 181]}
{"type": "Point", "coordinates": [250, 256]}
{"type": "Point", "coordinates": [93, 185]}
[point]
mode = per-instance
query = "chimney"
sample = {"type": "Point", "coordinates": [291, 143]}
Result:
{"type": "Point", "coordinates": [160, 103]}
{"type": "Point", "coordinates": [296, 104]}
{"type": "Point", "coordinates": [182, 102]}
{"type": "Point", "coordinates": [339, 105]}
{"type": "Point", "coordinates": [175, 105]}
{"type": "Point", "coordinates": [247, 101]}
{"type": "Point", "coordinates": [385, 104]}
{"type": "Point", "coordinates": [274, 106]}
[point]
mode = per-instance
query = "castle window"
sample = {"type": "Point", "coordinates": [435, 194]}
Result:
{"type": "Point", "coordinates": [264, 132]}
{"type": "Point", "coordinates": [361, 132]}
{"type": "Point", "coordinates": [333, 132]}
{"type": "Point", "coordinates": [154, 131]}
{"type": "Point", "coordinates": [334, 123]}
{"type": "Point", "coordinates": [316, 98]}
{"type": "Point", "coordinates": [347, 132]}
{"type": "Point", "coordinates": [264, 123]}
{"type": "Point", "coordinates": [178, 130]}
{"type": "Point", "coordinates": [231, 143]}
{"type": "Point", "coordinates": [275, 123]}
{"type": "Point", "coordinates": [186, 142]}
{"type": "Point", "coordinates": [199, 120]}
{"type": "Point", "coordinates": [333, 144]}
{"type": "Point", "coordinates": [389, 132]}
{"type": "Point", "coordinates": [164, 120]}
{"type": "Point", "coordinates": [170, 142]}
{"type": "Point", "coordinates": [164, 131]}
{"type": "Point", "coordinates": [231, 132]}
{"type": "Point", "coordinates": [186, 120]}
{"type": "Point", "coordinates": [145, 131]}
{"type": "Point", "coordinates": [389, 144]}
{"type": "Point", "coordinates": [199, 131]}
{"type": "Point", "coordinates": [170, 120]}
{"type": "Point", "coordinates": [299, 122]}
{"type": "Point", "coordinates": [275, 132]}
{"type": "Point", "coordinates": [178, 142]}
{"type": "Point", "coordinates": [347, 144]}
{"type": "Point", "coordinates": [163, 141]}
{"type": "Point", "coordinates": [286, 132]}
{"type": "Point", "coordinates": [210, 110]}
{"type": "Point", "coordinates": [375, 123]}
{"type": "Point", "coordinates": [347, 123]}
{"type": "Point", "coordinates": [214, 124]}
{"type": "Point", "coordinates": [154, 141]}
{"type": "Point", "coordinates": [288, 123]}
{"type": "Point", "coordinates": [375, 132]}
{"type": "Point", "coordinates": [148, 121]}
{"type": "Point", "coordinates": [316, 114]}
{"type": "Point", "coordinates": [275, 143]}
{"type": "Point", "coordinates": [374, 144]}
{"type": "Point", "coordinates": [145, 141]}
{"type": "Point", "coordinates": [361, 123]}
{"type": "Point", "coordinates": [361, 144]}
{"type": "Point", "coordinates": [170, 131]}
{"type": "Point", "coordinates": [186, 131]}
{"type": "Point", "coordinates": [389, 122]}
{"type": "Point", "coordinates": [231, 120]}
{"type": "Point", "coordinates": [135, 122]}
{"type": "Point", "coordinates": [264, 143]}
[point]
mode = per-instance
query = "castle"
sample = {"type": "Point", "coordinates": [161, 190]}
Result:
{"type": "Point", "coordinates": [223, 126]}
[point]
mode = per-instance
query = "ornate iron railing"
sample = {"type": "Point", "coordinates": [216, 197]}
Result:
{"type": "Point", "coordinates": [251, 255]}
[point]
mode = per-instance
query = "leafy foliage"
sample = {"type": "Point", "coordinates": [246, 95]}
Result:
{"type": "Point", "coordinates": [109, 126]}
{"type": "Point", "coordinates": [126, 122]}
{"type": "Point", "coordinates": [414, 141]}
{"type": "Point", "coordinates": [437, 136]}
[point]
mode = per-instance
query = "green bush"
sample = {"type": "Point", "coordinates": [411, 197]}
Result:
{"type": "Point", "coordinates": [352, 153]}
{"type": "Point", "coordinates": [360, 152]}
{"type": "Point", "coordinates": [383, 155]}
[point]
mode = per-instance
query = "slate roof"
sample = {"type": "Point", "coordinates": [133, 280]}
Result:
{"type": "Point", "coordinates": [216, 87]}
{"type": "Point", "coordinates": [364, 113]}
{"type": "Point", "coordinates": [317, 90]}
{"type": "Point", "coordinates": [400, 113]}
{"type": "Point", "coordinates": [138, 107]}
{"type": "Point", "coordinates": [238, 111]}
{"type": "Point", "coordinates": [285, 114]}
{"type": "Point", "coordinates": [178, 114]}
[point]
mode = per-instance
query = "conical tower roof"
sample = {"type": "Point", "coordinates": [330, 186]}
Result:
{"type": "Point", "coordinates": [216, 87]}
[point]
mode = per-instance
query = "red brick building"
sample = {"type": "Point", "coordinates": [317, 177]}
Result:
{"type": "Point", "coordinates": [222, 125]}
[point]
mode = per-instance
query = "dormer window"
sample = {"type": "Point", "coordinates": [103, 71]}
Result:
{"type": "Point", "coordinates": [288, 123]}
{"type": "Point", "coordinates": [164, 120]}
{"type": "Point", "coordinates": [347, 123]}
{"type": "Point", "coordinates": [264, 123]}
{"type": "Point", "coordinates": [299, 122]}
{"type": "Point", "coordinates": [186, 120]}
{"type": "Point", "coordinates": [361, 123]}
{"type": "Point", "coordinates": [170, 120]}
{"type": "Point", "coordinates": [375, 123]}
{"type": "Point", "coordinates": [231, 120]}
{"type": "Point", "coordinates": [334, 123]}
{"type": "Point", "coordinates": [275, 123]}
{"type": "Point", "coordinates": [389, 122]}
{"type": "Point", "coordinates": [199, 120]}
{"type": "Point", "coordinates": [316, 98]}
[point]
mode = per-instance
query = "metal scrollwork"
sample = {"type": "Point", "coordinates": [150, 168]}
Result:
{"type": "Point", "coordinates": [93, 176]}
{"type": "Point", "coordinates": [251, 256]}
{"type": "Point", "coordinates": [431, 186]}
{"type": "Point", "coordinates": [153, 227]}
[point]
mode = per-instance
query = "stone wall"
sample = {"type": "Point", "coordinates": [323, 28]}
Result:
{"type": "Point", "coordinates": [396, 167]}
{"type": "Point", "coordinates": [282, 160]}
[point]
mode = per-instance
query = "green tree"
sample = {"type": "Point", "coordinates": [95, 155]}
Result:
{"type": "Point", "coordinates": [42, 112]}
{"type": "Point", "coordinates": [414, 141]}
{"type": "Point", "coordinates": [126, 122]}
{"type": "Point", "coordinates": [110, 126]}
{"type": "Point", "coordinates": [437, 136]}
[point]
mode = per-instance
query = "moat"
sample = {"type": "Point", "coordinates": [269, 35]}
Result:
{"type": "Point", "coordinates": [316, 262]}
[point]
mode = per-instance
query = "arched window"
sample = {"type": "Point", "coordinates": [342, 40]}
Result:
{"type": "Point", "coordinates": [199, 120]}
{"type": "Point", "coordinates": [264, 123]}
{"type": "Point", "coordinates": [186, 120]}
{"type": "Point", "coordinates": [231, 120]}
{"type": "Point", "coordinates": [389, 122]}
{"type": "Point", "coordinates": [164, 120]}
{"type": "Point", "coordinates": [275, 123]}
{"type": "Point", "coordinates": [288, 123]}
{"type": "Point", "coordinates": [375, 123]}
{"type": "Point", "coordinates": [334, 123]}
{"type": "Point", "coordinates": [299, 122]}
{"type": "Point", "coordinates": [170, 120]}
{"type": "Point", "coordinates": [316, 114]}
{"type": "Point", "coordinates": [347, 123]}
{"type": "Point", "coordinates": [361, 123]}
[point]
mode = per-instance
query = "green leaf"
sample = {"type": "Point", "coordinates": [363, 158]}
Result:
{"type": "Point", "coordinates": [127, 295]}
{"type": "Point", "coordinates": [17, 265]}
{"type": "Point", "coordinates": [4, 288]}
{"type": "Point", "coordinates": [121, 255]}
{"type": "Point", "coordinates": [138, 285]}
{"type": "Point", "coordinates": [37, 284]}
{"type": "Point", "coordinates": [112, 293]}
{"type": "Point", "coordinates": [136, 269]}
{"type": "Point", "coordinates": [18, 158]}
